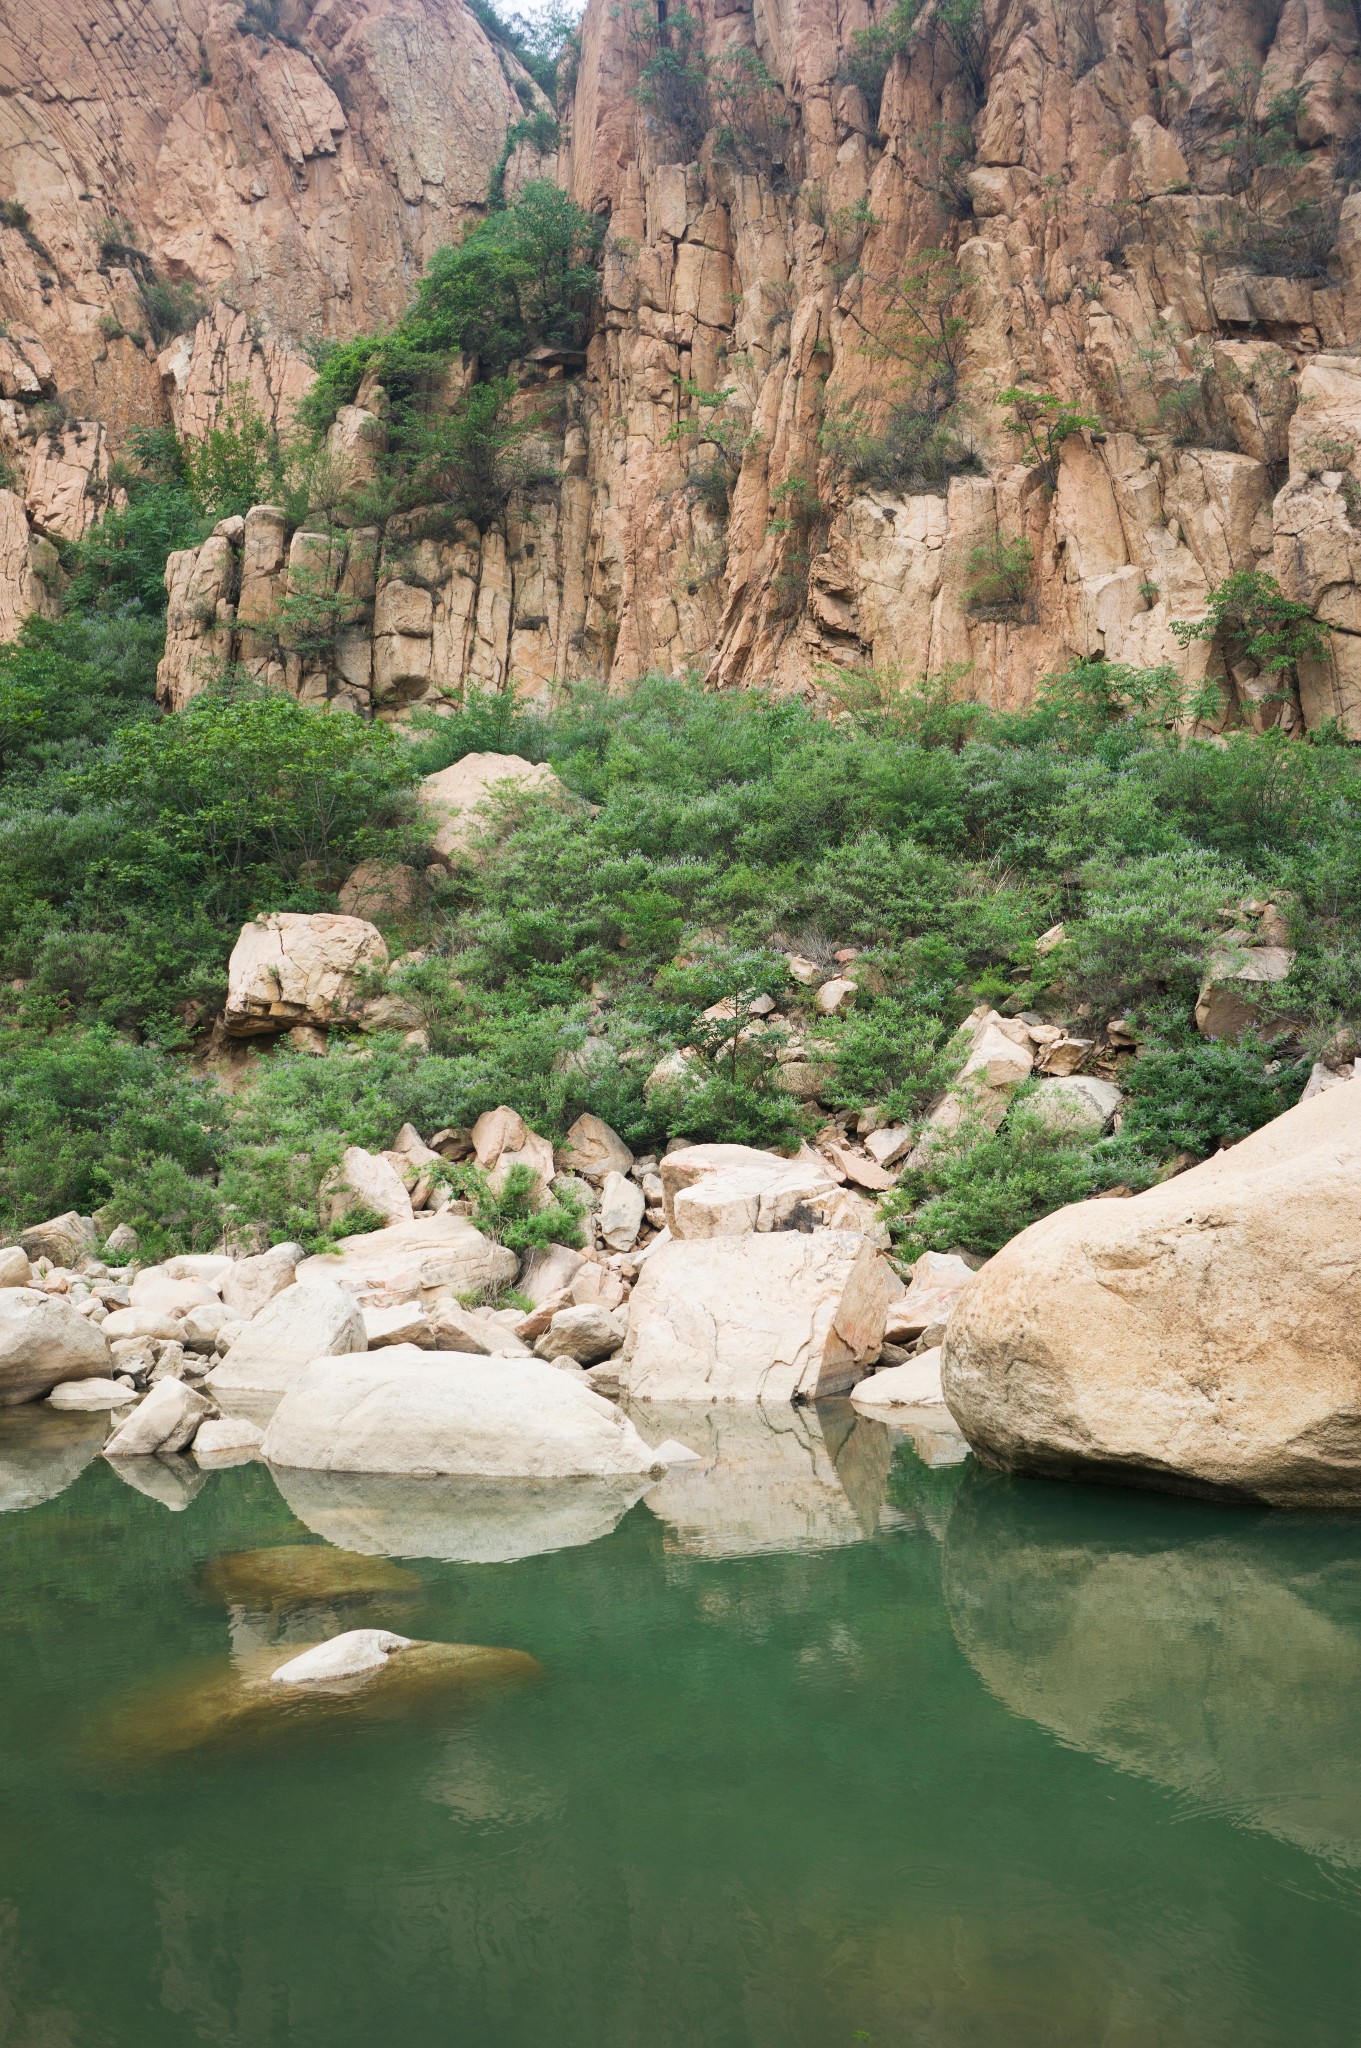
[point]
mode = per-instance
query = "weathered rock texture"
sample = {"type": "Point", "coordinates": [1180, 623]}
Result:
{"type": "Point", "coordinates": [1082, 184]}
{"type": "Point", "coordinates": [1200, 1337]}
{"type": "Point", "coordinates": [295, 181]}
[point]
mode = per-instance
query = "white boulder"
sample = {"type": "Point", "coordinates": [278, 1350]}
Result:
{"type": "Point", "coordinates": [15, 1270]}
{"type": "Point", "coordinates": [63, 1240]}
{"type": "Point", "coordinates": [90, 1396]}
{"type": "Point", "coordinates": [311, 1319]}
{"type": "Point", "coordinates": [293, 968]}
{"type": "Point", "coordinates": [156, 1290]}
{"type": "Point", "coordinates": [165, 1421]}
{"type": "Point", "coordinates": [404, 1410]}
{"type": "Point", "coordinates": [585, 1333]}
{"type": "Point", "coordinates": [352, 1655]}
{"type": "Point", "coordinates": [430, 1258]}
{"type": "Point", "coordinates": [251, 1282]}
{"type": "Point", "coordinates": [228, 1439]}
{"type": "Point", "coordinates": [451, 797]}
{"type": "Point", "coordinates": [153, 1323]}
{"type": "Point", "coordinates": [915, 1384]}
{"type": "Point", "coordinates": [1082, 1103]}
{"type": "Point", "coordinates": [620, 1216]}
{"type": "Point", "coordinates": [593, 1150]}
{"type": "Point", "coordinates": [44, 1342]}
{"type": "Point", "coordinates": [366, 1180]}
{"type": "Point", "coordinates": [777, 1317]}
{"type": "Point", "coordinates": [501, 1140]}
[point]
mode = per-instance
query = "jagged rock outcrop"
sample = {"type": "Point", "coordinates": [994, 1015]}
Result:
{"type": "Point", "coordinates": [715, 505]}
{"type": "Point", "coordinates": [289, 169]}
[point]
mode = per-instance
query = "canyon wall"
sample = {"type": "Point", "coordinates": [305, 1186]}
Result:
{"type": "Point", "coordinates": [287, 167]}
{"type": "Point", "coordinates": [1081, 165]}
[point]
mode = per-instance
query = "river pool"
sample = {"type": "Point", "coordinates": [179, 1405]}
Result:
{"type": "Point", "coordinates": [833, 1739]}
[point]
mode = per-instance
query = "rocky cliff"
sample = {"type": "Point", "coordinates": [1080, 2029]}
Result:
{"type": "Point", "coordinates": [833, 243]}
{"type": "Point", "coordinates": [285, 169]}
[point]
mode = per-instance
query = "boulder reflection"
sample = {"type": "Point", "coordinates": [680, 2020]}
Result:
{"type": "Point", "coordinates": [460, 1521]}
{"type": "Point", "coordinates": [43, 1452]}
{"type": "Point", "coordinates": [1216, 1652]}
{"type": "Point", "coordinates": [770, 1479]}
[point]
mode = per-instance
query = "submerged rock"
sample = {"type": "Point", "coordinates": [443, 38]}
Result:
{"type": "Point", "coordinates": [303, 1575]}
{"type": "Point", "coordinates": [229, 1705]}
{"type": "Point", "coordinates": [1200, 1337]}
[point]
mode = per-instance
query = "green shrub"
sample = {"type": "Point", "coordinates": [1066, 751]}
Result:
{"type": "Point", "coordinates": [1148, 925]}
{"type": "Point", "coordinates": [981, 1187]}
{"type": "Point", "coordinates": [1195, 1097]}
{"type": "Point", "coordinates": [999, 572]}
{"type": "Point", "coordinates": [508, 1214]}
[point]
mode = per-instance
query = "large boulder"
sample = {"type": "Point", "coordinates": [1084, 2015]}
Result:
{"type": "Point", "coordinates": [165, 1422]}
{"type": "Point", "coordinates": [451, 798]}
{"type": "Point", "coordinates": [728, 1190]}
{"type": "Point", "coordinates": [404, 1410]}
{"type": "Point", "coordinates": [1229, 1000]}
{"type": "Point", "coordinates": [15, 1270]}
{"type": "Point", "coordinates": [43, 1343]}
{"type": "Point", "coordinates": [501, 1140]}
{"type": "Point", "coordinates": [592, 1149]}
{"type": "Point", "coordinates": [778, 1317]}
{"type": "Point", "coordinates": [311, 1319]}
{"type": "Point", "coordinates": [289, 968]}
{"type": "Point", "coordinates": [432, 1258]}
{"type": "Point", "coordinates": [368, 1181]}
{"type": "Point", "coordinates": [1201, 1337]}
{"type": "Point", "coordinates": [252, 1282]}
{"type": "Point", "coordinates": [64, 1240]}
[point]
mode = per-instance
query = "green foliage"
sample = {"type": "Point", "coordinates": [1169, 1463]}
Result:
{"type": "Point", "coordinates": [1148, 925]}
{"type": "Point", "coordinates": [1197, 1096]}
{"type": "Point", "coordinates": [66, 683]}
{"type": "Point", "coordinates": [1270, 228]}
{"type": "Point", "coordinates": [999, 572]}
{"type": "Point", "coordinates": [170, 309]}
{"type": "Point", "coordinates": [238, 463]}
{"type": "Point", "coordinates": [511, 1215]}
{"type": "Point", "coordinates": [1256, 619]}
{"type": "Point", "coordinates": [1090, 697]}
{"type": "Point", "coordinates": [748, 106]}
{"type": "Point", "coordinates": [980, 1187]}
{"type": "Point", "coordinates": [1042, 423]}
{"type": "Point", "coordinates": [958, 24]}
{"type": "Point", "coordinates": [540, 131]}
{"type": "Point", "coordinates": [674, 80]}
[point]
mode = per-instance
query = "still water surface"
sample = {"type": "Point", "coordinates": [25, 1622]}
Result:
{"type": "Point", "coordinates": [830, 1745]}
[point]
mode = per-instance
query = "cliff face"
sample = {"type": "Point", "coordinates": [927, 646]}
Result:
{"type": "Point", "coordinates": [1144, 212]}
{"type": "Point", "coordinates": [289, 168]}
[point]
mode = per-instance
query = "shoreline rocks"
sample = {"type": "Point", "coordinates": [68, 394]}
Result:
{"type": "Point", "coordinates": [1200, 1337]}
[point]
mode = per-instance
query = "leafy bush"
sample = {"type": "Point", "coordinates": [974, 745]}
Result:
{"type": "Point", "coordinates": [508, 1215]}
{"type": "Point", "coordinates": [1197, 1096]}
{"type": "Point", "coordinates": [980, 1188]}
{"type": "Point", "coordinates": [1253, 617]}
{"type": "Point", "coordinates": [1042, 423]}
{"type": "Point", "coordinates": [999, 572]}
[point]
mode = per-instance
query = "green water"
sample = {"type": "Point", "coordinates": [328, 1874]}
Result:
{"type": "Point", "coordinates": [829, 1747]}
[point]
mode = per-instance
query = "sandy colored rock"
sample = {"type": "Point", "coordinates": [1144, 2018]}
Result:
{"type": "Point", "coordinates": [42, 1343]}
{"type": "Point", "coordinates": [453, 796]}
{"type": "Point", "coordinates": [502, 1140]}
{"type": "Point", "coordinates": [15, 1270]}
{"type": "Point", "coordinates": [64, 1240]}
{"type": "Point", "coordinates": [585, 1332]}
{"type": "Point", "coordinates": [289, 968]}
{"type": "Point", "coordinates": [227, 1439]}
{"type": "Point", "coordinates": [1197, 1337]}
{"type": "Point", "coordinates": [1228, 1003]}
{"type": "Point", "coordinates": [408, 1411]}
{"type": "Point", "coordinates": [366, 1180]}
{"type": "Point", "coordinates": [593, 1150]}
{"type": "Point", "coordinates": [432, 1257]}
{"type": "Point", "coordinates": [311, 1319]}
{"type": "Point", "coordinates": [164, 1422]}
{"type": "Point", "coordinates": [252, 1282]}
{"type": "Point", "coordinates": [773, 1317]}
{"type": "Point", "coordinates": [915, 1384]}
{"type": "Point", "coordinates": [378, 888]}
{"type": "Point", "coordinates": [620, 1215]}
{"type": "Point", "coordinates": [1081, 1102]}
{"type": "Point", "coordinates": [90, 1396]}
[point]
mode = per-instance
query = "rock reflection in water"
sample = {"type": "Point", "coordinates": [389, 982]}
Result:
{"type": "Point", "coordinates": [303, 1574]}
{"type": "Point", "coordinates": [461, 1521]}
{"type": "Point", "coordinates": [1216, 1652]}
{"type": "Point", "coordinates": [43, 1452]}
{"type": "Point", "coordinates": [173, 1481]}
{"type": "Point", "coordinates": [771, 1478]}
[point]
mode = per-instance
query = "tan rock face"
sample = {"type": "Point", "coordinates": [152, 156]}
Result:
{"type": "Point", "coordinates": [289, 968]}
{"type": "Point", "coordinates": [453, 796]}
{"type": "Point", "coordinates": [1200, 1337]}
